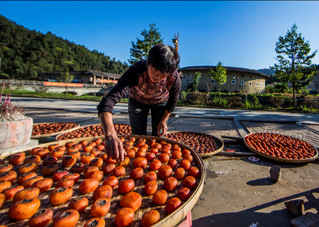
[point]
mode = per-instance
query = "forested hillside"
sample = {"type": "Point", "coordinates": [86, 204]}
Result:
{"type": "Point", "coordinates": [25, 53]}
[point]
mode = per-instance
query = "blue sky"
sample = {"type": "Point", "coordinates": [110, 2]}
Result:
{"type": "Point", "coordinates": [237, 33]}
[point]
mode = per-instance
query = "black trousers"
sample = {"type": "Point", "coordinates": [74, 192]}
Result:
{"type": "Point", "coordinates": [138, 114]}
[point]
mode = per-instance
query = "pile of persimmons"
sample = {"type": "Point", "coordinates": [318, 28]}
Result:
{"type": "Point", "coordinates": [94, 130]}
{"type": "Point", "coordinates": [200, 143]}
{"type": "Point", "coordinates": [78, 184]}
{"type": "Point", "coordinates": [280, 146]}
{"type": "Point", "coordinates": [50, 128]}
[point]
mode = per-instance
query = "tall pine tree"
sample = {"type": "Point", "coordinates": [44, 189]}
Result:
{"type": "Point", "coordinates": [294, 61]}
{"type": "Point", "coordinates": [141, 48]}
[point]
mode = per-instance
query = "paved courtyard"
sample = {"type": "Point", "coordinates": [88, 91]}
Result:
{"type": "Point", "coordinates": [237, 192]}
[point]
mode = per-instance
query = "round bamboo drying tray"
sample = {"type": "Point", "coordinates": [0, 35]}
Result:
{"type": "Point", "coordinates": [278, 158]}
{"type": "Point", "coordinates": [171, 219]}
{"type": "Point", "coordinates": [219, 142]}
{"type": "Point", "coordinates": [56, 133]}
{"type": "Point", "coordinates": [58, 137]}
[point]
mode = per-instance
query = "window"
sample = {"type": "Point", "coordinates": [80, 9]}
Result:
{"type": "Point", "coordinates": [233, 82]}
{"type": "Point", "coordinates": [251, 77]}
{"type": "Point", "coordinates": [250, 83]}
{"type": "Point", "coordinates": [242, 76]}
{"type": "Point", "coordinates": [256, 84]}
{"type": "Point", "coordinates": [242, 82]}
{"type": "Point", "coordinates": [234, 76]}
{"type": "Point", "coordinates": [213, 81]}
{"type": "Point", "coordinates": [261, 85]}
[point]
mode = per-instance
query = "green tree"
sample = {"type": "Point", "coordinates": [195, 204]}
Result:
{"type": "Point", "coordinates": [65, 77]}
{"type": "Point", "coordinates": [193, 86]}
{"type": "Point", "coordinates": [219, 76]}
{"type": "Point", "coordinates": [26, 53]}
{"type": "Point", "coordinates": [140, 50]}
{"type": "Point", "coordinates": [294, 61]}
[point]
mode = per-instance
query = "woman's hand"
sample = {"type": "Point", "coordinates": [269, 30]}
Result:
{"type": "Point", "coordinates": [114, 147]}
{"type": "Point", "coordinates": [162, 125]}
{"type": "Point", "coordinates": [161, 128]}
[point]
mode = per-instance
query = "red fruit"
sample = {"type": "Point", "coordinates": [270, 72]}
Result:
{"type": "Point", "coordinates": [164, 157]}
{"type": "Point", "coordinates": [172, 163]}
{"type": "Point", "coordinates": [184, 193]}
{"type": "Point", "coordinates": [155, 165]}
{"type": "Point", "coordinates": [190, 182]}
{"type": "Point", "coordinates": [150, 156]}
{"type": "Point", "coordinates": [170, 184]}
{"type": "Point", "coordinates": [59, 174]}
{"type": "Point", "coordinates": [140, 162]}
{"type": "Point", "coordinates": [165, 171]}
{"type": "Point", "coordinates": [126, 186]}
{"type": "Point", "coordinates": [193, 171]}
{"type": "Point", "coordinates": [137, 173]}
{"type": "Point", "coordinates": [111, 180]}
{"type": "Point", "coordinates": [173, 204]}
{"type": "Point", "coordinates": [160, 197]}
{"type": "Point", "coordinates": [150, 176]}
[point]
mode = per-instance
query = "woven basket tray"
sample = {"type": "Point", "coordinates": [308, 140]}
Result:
{"type": "Point", "coordinates": [219, 143]}
{"type": "Point", "coordinates": [53, 134]}
{"type": "Point", "coordinates": [147, 204]}
{"type": "Point", "coordinates": [58, 137]}
{"type": "Point", "coordinates": [278, 158]}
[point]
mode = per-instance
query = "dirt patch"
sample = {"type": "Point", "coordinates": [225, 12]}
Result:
{"type": "Point", "coordinates": [239, 193]}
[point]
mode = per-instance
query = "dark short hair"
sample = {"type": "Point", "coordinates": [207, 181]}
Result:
{"type": "Point", "coordinates": [163, 58]}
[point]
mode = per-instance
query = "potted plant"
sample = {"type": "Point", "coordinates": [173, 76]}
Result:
{"type": "Point", "coordinates": [15, 127]}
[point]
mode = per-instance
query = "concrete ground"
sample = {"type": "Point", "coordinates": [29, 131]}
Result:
{"type": "Point", "coordinates": [237, 192]}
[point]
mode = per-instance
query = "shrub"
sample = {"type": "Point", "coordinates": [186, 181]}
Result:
{"type": "Point", "coordinates": [276, 101]}
{"type": "Point", "coordinates": [308, 109]}
{"type": "Point", "coordinates": [215, 102]}
{"type": "Point", "coordinates": [183, 96]}
{"type": "Point", "coordinates": [255, 100]}
{"type": "Point", "coordinates": [304, 91]}
{"type": "Point", "coordinates": [235, 102]}
{"type": "Point", "coordinates": [196, 98]}
{"type": "Point", "coordinates": [310, 103]}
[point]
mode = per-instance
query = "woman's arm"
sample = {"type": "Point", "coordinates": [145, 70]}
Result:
{"type": "Point", "coordinates": [113, 145]}
{"type": "Point", "coordinates": [174, 94]}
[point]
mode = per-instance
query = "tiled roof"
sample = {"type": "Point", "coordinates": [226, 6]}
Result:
{"type": "Point", "coordinates": [229, 69]}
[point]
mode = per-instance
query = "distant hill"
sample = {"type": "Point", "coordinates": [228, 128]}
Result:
{"type": "Point", "coordinates": [25, 53]}
{"type": "Point", "coordinates": [267, 71]}
{"type": "Point", "coordinates": [270, 73]}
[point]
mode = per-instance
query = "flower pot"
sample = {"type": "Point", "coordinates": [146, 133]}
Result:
{"type": "Point", "coordinates": [15, 133]}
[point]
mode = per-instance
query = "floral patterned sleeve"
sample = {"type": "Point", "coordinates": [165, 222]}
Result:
{"type": "Point", "coordinates": [127, 80]}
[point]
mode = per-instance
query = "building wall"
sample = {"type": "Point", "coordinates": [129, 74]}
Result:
{"type": "Point", "coordinates": [314, 86]}
{"type": "Point", "coordinates": [86, 79]}
{"type": "Point", "coordinates": [236, 82]}
{"type": "Point", "coordinates": [29, 85]}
